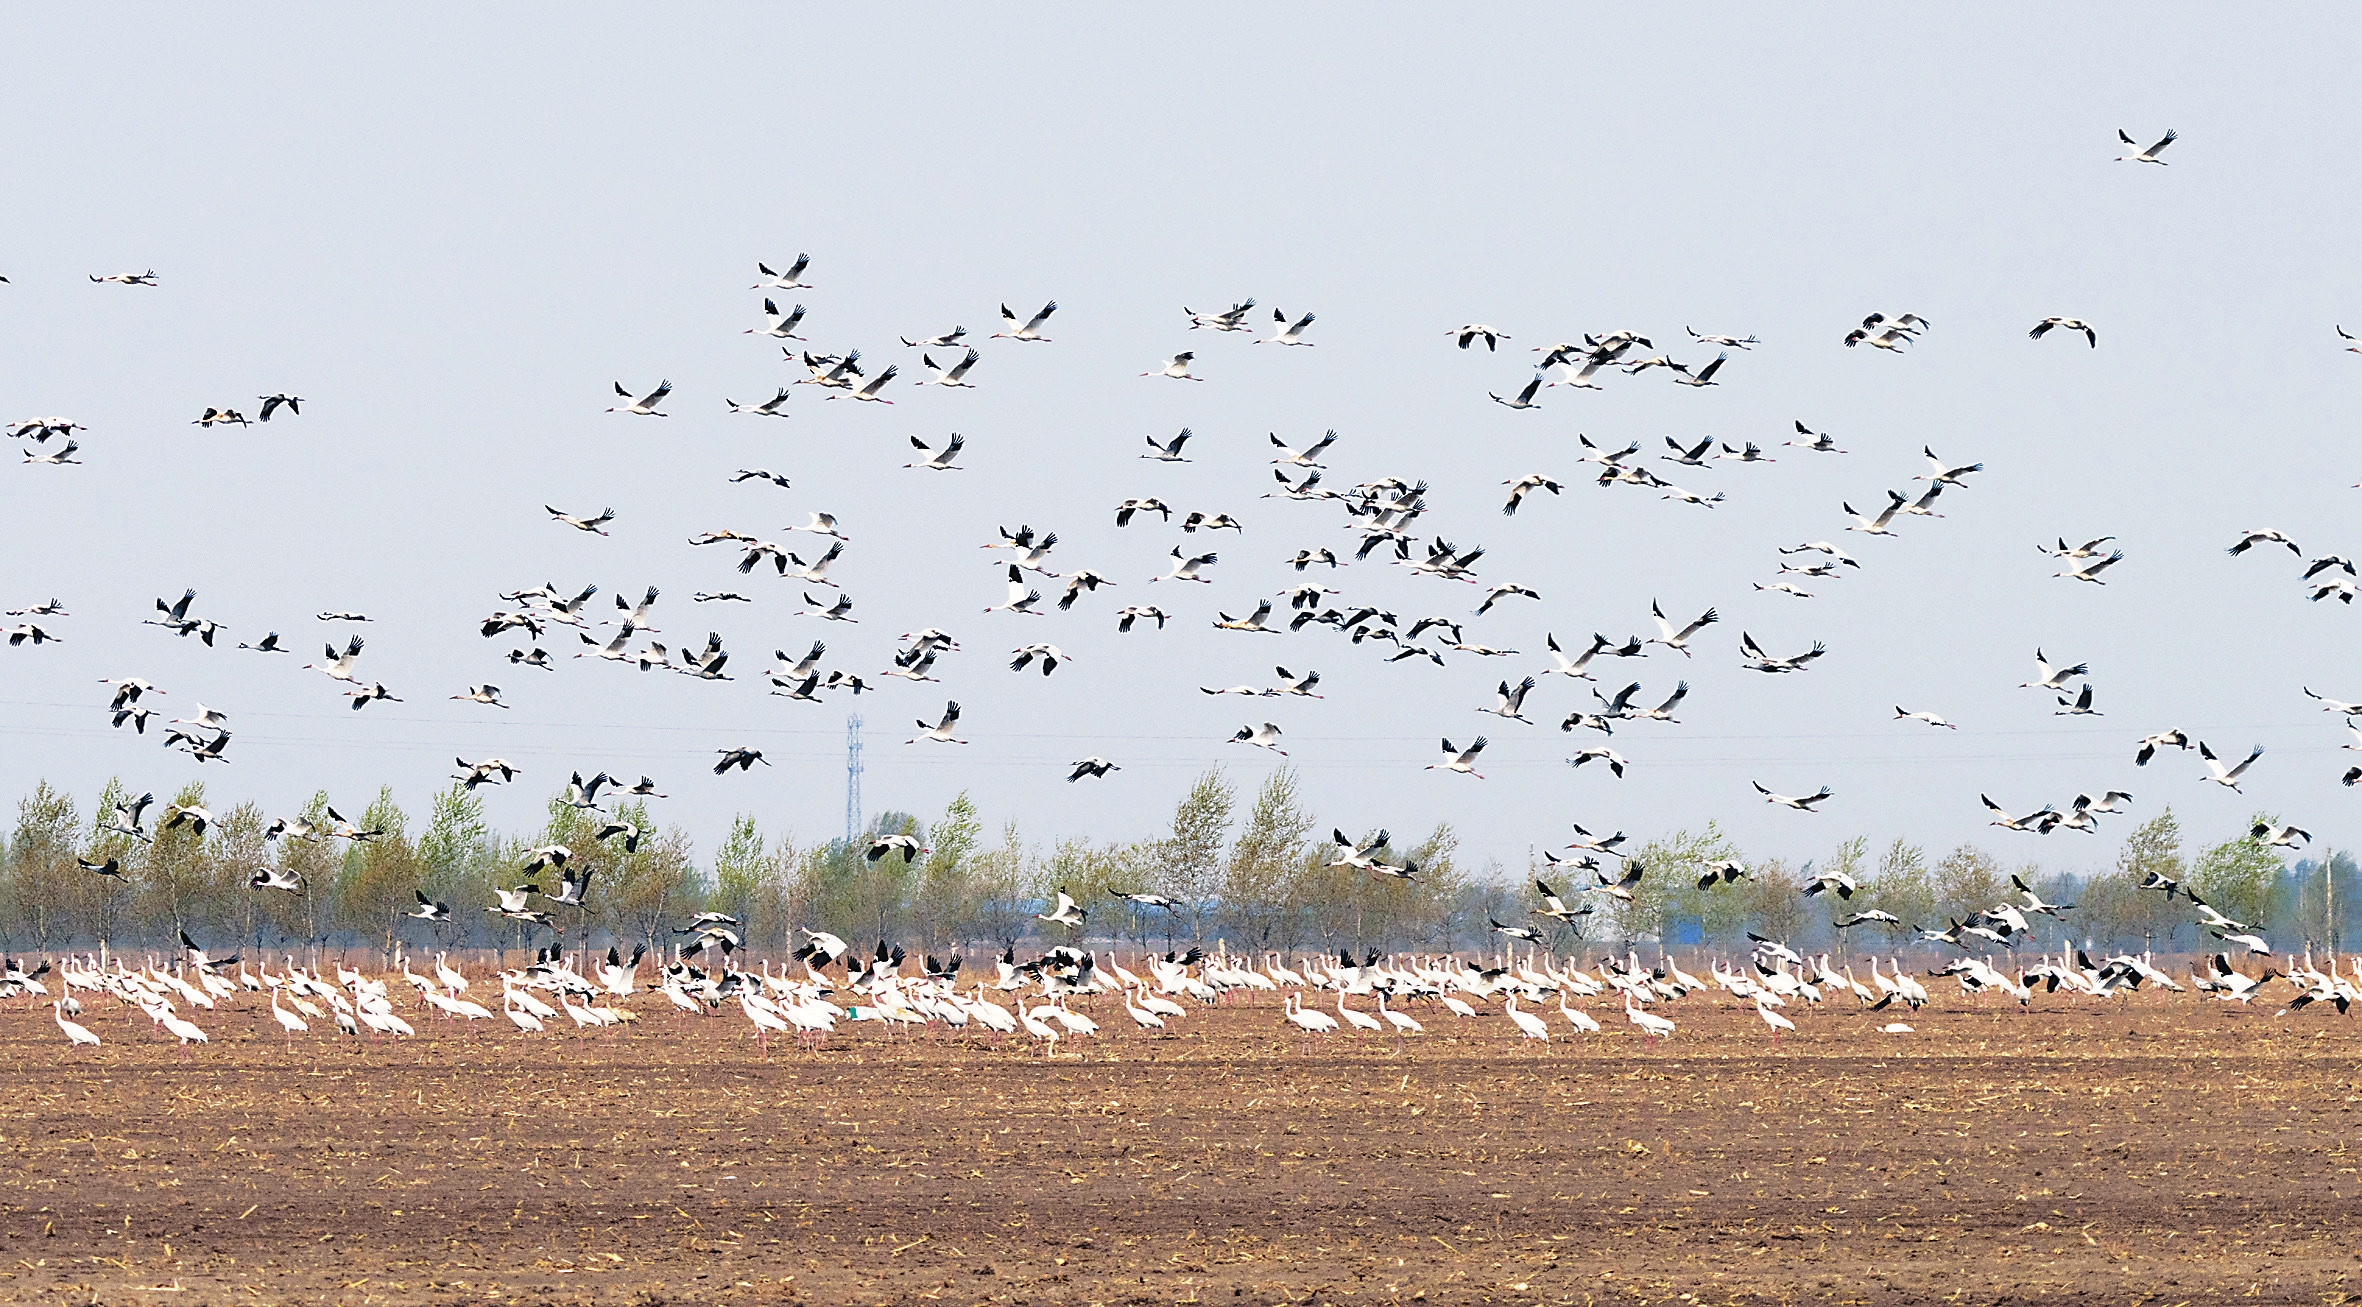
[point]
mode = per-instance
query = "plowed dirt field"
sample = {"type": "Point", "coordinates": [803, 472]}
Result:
{"type": "Point", "coordinates": [2158, 1151]}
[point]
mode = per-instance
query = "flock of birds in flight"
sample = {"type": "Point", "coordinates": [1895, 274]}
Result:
{"type": "Point", "coordinates": [1384, 516]}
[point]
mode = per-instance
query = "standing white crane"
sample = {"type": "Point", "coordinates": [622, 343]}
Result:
{"type": "Point", "coordinates": [1652, 1027]}
{"type": "Point", "coordinates": [77, 1035]}
{"type": "Point", "coordinates": [1528, 1025]}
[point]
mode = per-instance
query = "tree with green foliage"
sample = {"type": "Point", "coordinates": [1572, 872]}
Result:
{"type": "Point", "coordinates": [751, 884]}
{"type": "Point", "coordinates": [1264, 861]}
{"type": "Point", "coordinates": [458, 861]}
{"type": "Point", "coordinates": [651, 889]}
{"type": "Point", "coordinates": [1092, 874]}
{"type": "Point", "coordinates": [946, 899]}
{"type": "Point", "coordinates": [310, 913]}
{"type": "Point", "coordinates": [179, 880]}
{"type": "Point", "coordinates": [2240, 876]}
{"type": "Point", "coordinates": [110, 897]}
{"type": "Point", "coordinates": [377, 884]}
{"type": "Point", "coordinates": [1668, 891]}
{"type": "Point", "coordinates": [1901, 885]}
{"type": "Point", "coordinates": [855, 894]}
{"type": "Point", "coordinates": [238, 850]}
{"type": "Point", "coordinates": [1005, 891]}
{"type": "Point", "coordinates": [1967, 881]}
{"type": "Point", "coordinates": [41, 871]}
{"type": "Point", "coordinates": [1773, 902]}
{"type": "Point", "coordinates": [2153, 849]}
{"type": "Point", "coordinates": [1191, 853]}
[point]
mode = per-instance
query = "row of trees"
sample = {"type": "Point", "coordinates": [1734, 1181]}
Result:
{"type": "Point", "coordinates": [2241, 877]}
{"type": "Point", "coordinates": [1253, 873]}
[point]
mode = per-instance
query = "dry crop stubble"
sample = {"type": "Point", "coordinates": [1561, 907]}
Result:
{"type": "Point", "coordinates": [2163, 1147]}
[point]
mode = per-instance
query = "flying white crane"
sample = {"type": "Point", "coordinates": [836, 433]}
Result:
{"type": "Point", "coordinates": [2051, 678]}
{"type": "Point", "coordinates": [2148, 155]}
{"type": "Point", "coordinates": [2254, 536]}
{"type": "Point", "coordinates": [938, 460]}
{"type": "Point", "coordinates": [1524, 398]}
{"type": "Point", "coordinates": [768, 408]}
{"type": "Point", "coordinates": [776, 325]}
{"type": "Point", "coordinates": [2068, 324]}
{"type": "Point", "coordinates": [1284, 334]}
{"type": "Point", "coordinates": [940, 732]}
{"type": "Point", "coordinates": [869, 393]}
{"type": "Point", "coordinates": [1021, 598]}
{"type": "Point", "coordinates": [789, 280]}
{"type": "Point", "coordinates": [1821, 443]}
{"type": "Point", "coordinates": [595, 525]}
{"type": "Point", "coordinates": [1876, 525]}
{"type": "Point", "coordinates": [645, 406]}
{"type": "Point", "coordinates": [1168, 452]}
{"type": "Point", "coordinates": [1032, 330]}
{"type": "Point", "coordinates": [2091, 571]}
{"type": "Point", "coordinates": [1802, 803]}
{"type": "Point", "coordinates": [1461, 760]}
{"type": "Point", "coordinates": [1615, 761]}
{"type": "Point", "coordinates": [1705, 375]}
{"type": "Point", "coordinates": [1265, 736]}
{"type": "Point", "coordinates": [1252, 622]}
{"type": "Point", "coordinates": [955, 376]}
{"type": "Point", "coordinates": [2227, 777]}
{"type": "Point", "coordinates": [1763, 662]}
{"type": "Point", "coordinates": [339, 666]}
{"type": "Point", "coordinates": [1186, 567]}
{"type": "Point", "coordinates": [1678, 640]}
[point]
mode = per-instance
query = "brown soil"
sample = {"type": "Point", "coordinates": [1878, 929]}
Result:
{"type": "Point", "coordinates": [2164, 1151]}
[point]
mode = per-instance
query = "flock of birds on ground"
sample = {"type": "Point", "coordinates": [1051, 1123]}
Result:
{"type": "Point", "coordinates": [1385, 518]}
{"type": "Point", "coordinates": [841, 984]}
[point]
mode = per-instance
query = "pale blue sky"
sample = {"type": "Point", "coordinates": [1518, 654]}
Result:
{"type": "Point", "coordinates": [451, 231]}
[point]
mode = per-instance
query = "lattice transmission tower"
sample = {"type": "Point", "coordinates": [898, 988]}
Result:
{"type": "Point", "coordinates": [852, 777]}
